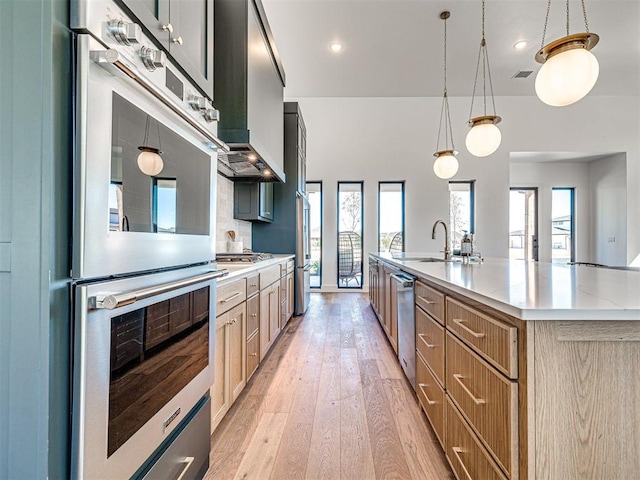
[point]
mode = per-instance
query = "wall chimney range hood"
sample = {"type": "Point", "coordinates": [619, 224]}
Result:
{"type": "Point", "coordinates": [249, 92]}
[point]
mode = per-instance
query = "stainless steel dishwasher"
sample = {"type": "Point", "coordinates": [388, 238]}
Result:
{"type": "Point", "coordinates": [406, 324]}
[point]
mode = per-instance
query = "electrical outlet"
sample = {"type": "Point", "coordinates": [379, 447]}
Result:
{"type": "Point", "coordinates": [611, 239]}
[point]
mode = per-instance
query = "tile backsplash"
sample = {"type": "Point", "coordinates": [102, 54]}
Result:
{"type": "Point", "coordinates": [224, 218]}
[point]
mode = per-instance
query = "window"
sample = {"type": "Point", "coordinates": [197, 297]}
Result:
{"type": "Point", "coordinates": [314, 193]}
{"type": "Point", "coordinates": [562, 225]}
{"type": "Point", "coordinates": [461, 210]}
{"type": "Point", "coordinates": [350, 234]}
{"type": "Point", "coordinates": [391, 216]}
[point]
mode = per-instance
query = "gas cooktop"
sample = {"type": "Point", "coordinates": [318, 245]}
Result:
{"type": "Point", "coordinates": [249, 257]}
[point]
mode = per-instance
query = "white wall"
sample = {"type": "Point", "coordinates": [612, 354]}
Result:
{"type": "Point", "coordinates": [374, 139]}
{"type": "Point", "coordinates": [608, 195]}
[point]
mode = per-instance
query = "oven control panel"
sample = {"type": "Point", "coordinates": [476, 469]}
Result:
{"type": "Point", "coordinates": [109, 24]}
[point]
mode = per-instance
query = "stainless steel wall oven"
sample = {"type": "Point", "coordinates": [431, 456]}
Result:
{"type": "Point", "coordinates": [143, 241]}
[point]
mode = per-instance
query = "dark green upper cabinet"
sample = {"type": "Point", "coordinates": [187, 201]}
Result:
{"type": "Point", "coordinates": [184, 29]}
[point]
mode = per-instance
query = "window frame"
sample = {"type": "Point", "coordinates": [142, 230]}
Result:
{"type": "Point", "coordinates": [572, 206]}
{"type": "Point", "coordinates": [350, 182]}
{"type": "Point", "coordinates": [402, 183]}
{"type": "Point", "coordinates": [319, 182]}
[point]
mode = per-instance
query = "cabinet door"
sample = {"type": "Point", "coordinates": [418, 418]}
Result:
{"type": "Point", "coordinates": [220, 387]}
{"type": "Point", "coordinates": [290, 294]}
{"type": "Point", "coordinates": [274, 312]}
{"type": "Point", "coordinates": [266, 295]}
{"type": "Point", "coordinates": [266, 201]}
{"type": "Point", "coordinates": [253, 314]}
{"type": "Point", "coordinates": [237, 345]}
{"type": "Point", "coordinates": [191, 43]}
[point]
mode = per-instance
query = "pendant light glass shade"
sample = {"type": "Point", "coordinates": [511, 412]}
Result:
{"type": "Point", "coordinates": [150, 162]}
{"type": "Point", "coordinates": [569, 70]}
{"type": "Point", "coordinates": [566, 77]}
{"type": "Point", "coordinates": [446, 164]}
{"type": "Point", "coordinates": [484, 137]}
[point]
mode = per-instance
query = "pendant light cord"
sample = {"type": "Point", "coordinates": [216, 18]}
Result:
{"type": "Point", "coordinates": [546, 20]}
{"type": "Point", "coordinates": [146, 133]}
{"type": "Point", "coordinates": [444, 110]}
{"type": "Point", "coordinates": [483, 55]}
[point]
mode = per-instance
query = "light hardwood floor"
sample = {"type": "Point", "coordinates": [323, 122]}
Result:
{"type": "Point", "coordinates": [329, 402]}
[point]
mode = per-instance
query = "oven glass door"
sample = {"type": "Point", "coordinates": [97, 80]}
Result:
{"type": "Point", "coordinates": [139, 368]}
{"type": "Point", "coordinates": [175, 200]}
{"type": "Point", "coordinates": [155, 352]}
{"type": "Point", "coordinates": [126, 220]}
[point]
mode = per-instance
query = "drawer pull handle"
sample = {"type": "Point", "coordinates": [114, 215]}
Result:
{"type": "Point", "coordinates": [254, 354]}
{"type": "Point", "coordinates": [424, 339]}
{"type": "Point", "coordinates": [477, 401]}
{"type": "Point", "coordinates": [422, 385]}
{"type": "Point", "coordinates": [254, 315]}
{"type": "Point", "coordinates": [253, 285]}
{"type": "Point", "coordinates": [228, 299]}
{"type": "Point", "coordinates": [427, 301]}
{"type": "Point", "coordinates": [457, 451]}
{"type": "Point", "coordinates": [460, 323]}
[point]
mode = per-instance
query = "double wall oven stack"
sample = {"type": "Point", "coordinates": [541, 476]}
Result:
{"type": "Point", "coordinates": [143, 241]}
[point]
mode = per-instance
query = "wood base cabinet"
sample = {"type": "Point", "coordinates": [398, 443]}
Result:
{"type": "Point", "coordinates": [230, 373]}
{"type": "Point", "coordinates": [465, 453]}
{"type": "Point", "coordinates": [431, 397]}
{"type": "Point", "coordinates": [269, 317]}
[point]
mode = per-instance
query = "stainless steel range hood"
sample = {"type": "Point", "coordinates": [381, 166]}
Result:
{"type": "Point", "coordinates": [249, 92]}
{"type": "Point", "coordinates": [244, 163]}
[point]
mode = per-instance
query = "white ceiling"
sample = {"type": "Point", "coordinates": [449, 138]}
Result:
{"type": "Point", "coordinates": [394, 48]}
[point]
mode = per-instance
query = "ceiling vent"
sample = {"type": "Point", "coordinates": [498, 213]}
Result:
{"type": "Point", "coordinates": [523, 74]}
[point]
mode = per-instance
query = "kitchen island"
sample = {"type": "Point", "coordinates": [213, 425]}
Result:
{"type": "Point", "coordinates": [525, 370]}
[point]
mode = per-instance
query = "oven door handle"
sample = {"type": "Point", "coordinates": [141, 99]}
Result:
{"type": "Point", "coordinates": [116, 300]}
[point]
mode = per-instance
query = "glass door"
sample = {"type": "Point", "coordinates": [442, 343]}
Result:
{"type": "Point", "coordinates": [350, 234]}
{"type": "Point", "coordinates": [314, 194]}
{"type": "Point", "coordinates": [562, 225]}
{"type": "Point", "coordinates": [523, 223]}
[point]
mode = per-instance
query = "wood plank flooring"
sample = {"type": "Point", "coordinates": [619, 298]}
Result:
{"type": "Point", "coordinates": [329, 402]}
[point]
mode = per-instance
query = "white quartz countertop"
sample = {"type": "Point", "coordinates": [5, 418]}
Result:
{"type": "Point", "coordinates": [241, 269]}
{"type": "Point", "coordinates": [534, 290]}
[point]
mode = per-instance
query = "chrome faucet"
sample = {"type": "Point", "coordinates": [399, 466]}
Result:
{"type": "Point", "coordinates": [447, 251]}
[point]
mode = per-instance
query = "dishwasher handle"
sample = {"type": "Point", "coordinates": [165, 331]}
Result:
{"type": "Point", "coordinates": [404, 280]}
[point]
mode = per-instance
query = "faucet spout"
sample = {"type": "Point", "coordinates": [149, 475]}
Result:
{"type": "Point", "coordinates": [447, 251]}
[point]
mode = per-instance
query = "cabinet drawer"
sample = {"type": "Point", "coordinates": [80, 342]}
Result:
{"type": "Point", "coordinates": [430, 300]}
{"type": "Point", "coordinates": [290, 265]}
{"type": "Point", "coordinates": [496, 341]}
{"type": "Point", "coordinates": [431, 397]}
{"type": "Point", "coordinates": [253, 284]}
{"type": "Point", "coordinates": [253, 354]}
{"type": "Point", "coordinates": [467, 457]}
{"type": "Point", "coordinates": [269, 275]}
{"type": "Point", "coordinates": [230, 294]}
{"type": "Point", "coordinates": [430, 343]}
{"type": "Point", "coordinates": [487, 399]}
{"type": "Point", "coordinates": [253, 312]}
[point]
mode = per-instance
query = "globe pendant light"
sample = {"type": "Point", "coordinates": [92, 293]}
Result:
{"type": "Point", "coordinates": [149, 160]}
{"type": "Point", "coordinates": [569, 70]}
{"type": "Point", "coordinates": [446, 164]}
{"type": "Point", "coordinates": [484, 137]}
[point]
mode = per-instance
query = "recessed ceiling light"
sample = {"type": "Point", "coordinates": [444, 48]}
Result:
{"type": "Point", "coordinates": [520, 45]}
{"type": "Point", "coordinates": [336, 47]}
